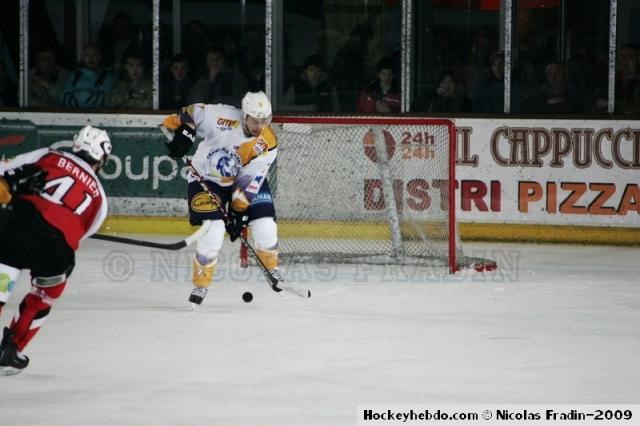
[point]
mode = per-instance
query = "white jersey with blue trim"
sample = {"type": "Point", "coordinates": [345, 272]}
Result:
{"type": "Point", "coordinates": [226, 155]}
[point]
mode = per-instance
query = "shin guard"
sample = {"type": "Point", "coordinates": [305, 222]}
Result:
{"type": "Point", "coordinates": [33, 311]}
{"type": "Point", "coordinates": [265, 236]}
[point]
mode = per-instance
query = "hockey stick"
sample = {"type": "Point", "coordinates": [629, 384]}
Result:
{"type": "Point", "coordinates": [275, 284]}
{"type": "Point", "coordinates": [143, 243]}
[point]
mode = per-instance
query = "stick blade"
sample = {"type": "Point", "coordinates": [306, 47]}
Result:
{"type": "Point", "coordinates": [132, 241]}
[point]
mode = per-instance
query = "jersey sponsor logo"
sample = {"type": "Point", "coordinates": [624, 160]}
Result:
{"type": "Point", "coordinates": [254, 186]}
{"type": "Point", "coordinates": [227, 123]}
{"type": "Point", "coordinates": [202, 203]}
{"type": "Point", "coordinates": [261, 146]}
{"type": "Point", "coordinates": [262, 197]}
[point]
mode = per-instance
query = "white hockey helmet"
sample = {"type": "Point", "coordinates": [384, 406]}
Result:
{"type": "Point", "coordinates": [93, 145]}
{"type": "Point", "coordinates": [257, 105]}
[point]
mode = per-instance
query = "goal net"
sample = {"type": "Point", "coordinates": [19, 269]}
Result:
{"type": "Point", "coordinates": [366, 190]}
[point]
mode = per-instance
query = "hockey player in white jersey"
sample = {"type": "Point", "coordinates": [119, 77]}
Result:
{"type": "Point", "coordinates": [234, 157]}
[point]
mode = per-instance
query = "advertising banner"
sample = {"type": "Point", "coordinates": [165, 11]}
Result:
{"type": "Point", "coordinates": [549, 172]}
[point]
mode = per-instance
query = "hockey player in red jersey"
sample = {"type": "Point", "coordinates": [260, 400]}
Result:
{"type": "Point", "coordinates": [51, 200]}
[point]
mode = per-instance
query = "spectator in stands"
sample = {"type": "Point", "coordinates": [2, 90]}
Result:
{"type": "Point", "coordinates": [46, 79]}
{"type": "Point", "coordinates": [449, 96]}
{"type": "Point", "coordinates": [627, 97]}
{"type": "Point", "coordinates": [488, 93]}
{"type": "Point", "coordinates": [349, 67]}
{"type": "Point", "coordinates": [176, 84]}
{"type": "Point", "coordinates": [220, 84]}
{"type": "Point", "coordinates": [313, 90]}
{"type": "Point", "coordinates": [134, 90]}
{"type": "Point", "coordinates": [555, 95]}
{"type": "Point", "coordinates": [381, 95]}
{"type": "Point", "coordinates": [121, 38]}
{"type": "Point", "coordinates": [88, 84]}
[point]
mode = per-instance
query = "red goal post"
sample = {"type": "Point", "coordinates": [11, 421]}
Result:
{"type": "Point", "coordinates": [366, 190]}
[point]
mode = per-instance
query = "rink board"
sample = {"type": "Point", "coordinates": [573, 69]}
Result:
{"type": "Point", "coordinates": [468, 231]}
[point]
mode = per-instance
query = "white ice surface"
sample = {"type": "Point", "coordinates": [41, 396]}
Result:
{"type": "Point", "coordinates": [555, 324]}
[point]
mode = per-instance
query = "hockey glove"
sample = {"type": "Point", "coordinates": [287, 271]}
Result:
{"type": "Point", "coordinates": [182, 141]}
{"type": "Point", "coordinates": [237, 222]}
{"type": "Point", "coordinates": [27, 179]}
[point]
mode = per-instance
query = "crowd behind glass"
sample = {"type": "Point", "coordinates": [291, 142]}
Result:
{"type": "Point", "coordinates": [356, 69]}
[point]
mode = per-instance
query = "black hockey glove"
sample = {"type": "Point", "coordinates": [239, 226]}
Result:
{"type": "Point", "coordinates": [27, 179]}
{"type": "Point", "coordinates": [237, 222]}
{"type": "Point", "coordinates": [182, 142]}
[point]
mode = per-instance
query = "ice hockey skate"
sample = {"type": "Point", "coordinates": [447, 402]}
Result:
{"type": "Point", "coordinates": [11, 360]}
{"type": "Point", "coordinates": [202, 276]}
{"type": "Point", "coordinates": [197, 296]}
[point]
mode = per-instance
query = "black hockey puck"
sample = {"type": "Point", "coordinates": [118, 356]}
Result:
{"type": "Point", "coordinates": [247, 296]}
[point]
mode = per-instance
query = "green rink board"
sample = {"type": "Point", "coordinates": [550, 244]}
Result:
{"type": "Point", "coordinates": [138, 167]}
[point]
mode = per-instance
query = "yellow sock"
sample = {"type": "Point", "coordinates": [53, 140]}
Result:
{"type": "Point", "coordinates": [268, 257]}
{"type": "Point", "coordinates": [203, 274]}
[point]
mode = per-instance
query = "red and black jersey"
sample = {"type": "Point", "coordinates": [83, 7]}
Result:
{"type": "Point", "coordinates": [73, 200]}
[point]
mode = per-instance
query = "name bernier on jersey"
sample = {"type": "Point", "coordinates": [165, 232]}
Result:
{"type": "Point", "coordinates": [80, 174]}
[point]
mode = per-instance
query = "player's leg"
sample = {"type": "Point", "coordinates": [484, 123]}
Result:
{"type": "Point", "coordinates": [201, 210]}
{"type": "Point", "coordinates": [264, 229]}
{"type": "Point", "coordinates": [50, 266]}
{"type": "Point", "coordinates": [206, 259]}
{"type": "Point", "coordinates": [37, 304]}
{"type": "Point", "coordinates": [33, 311]}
